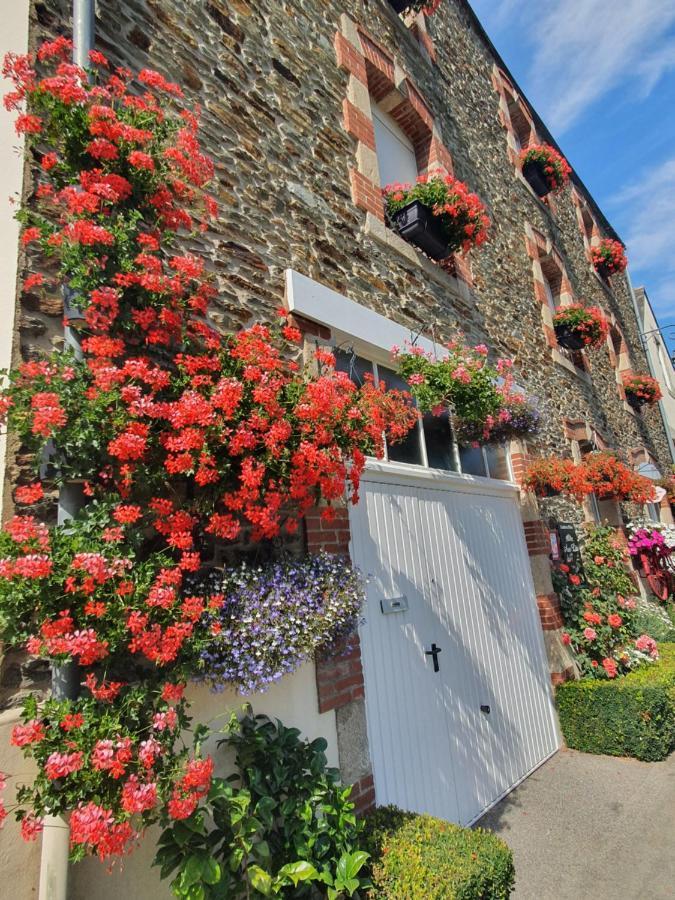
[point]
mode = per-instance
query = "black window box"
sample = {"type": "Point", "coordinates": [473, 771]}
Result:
{"type": "Point", "coordinates": [535, 176]}
{"type": "Point", "coordinates": [399, 5]}
{"type": "Point", "coordinates": [419, 226]}
{"type": "Point", "coordinates": [603, 271]}
{"type": "Point", "coordinates": [636, 402]}
{"type": "Point", "coordinates": [568, 338]}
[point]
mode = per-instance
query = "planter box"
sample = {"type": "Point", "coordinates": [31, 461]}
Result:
{"type": "Point", "coordinates": [535, 176]}
{"type": "Point", "coordinates": [635, 401]}
{"type": "Point", "coordinates": [418, 225]}
{"type": "Point", "coordinates": [568, 338]}
{"type": "Point", "coordinates": [603, 271]}
{"type": "Point", "coordinates": [399, 5]}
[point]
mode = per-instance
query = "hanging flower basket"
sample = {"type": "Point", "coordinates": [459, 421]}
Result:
{"type": "Point", "coordinates": [438, 214]}
{"type": "Point", "coordinates": [609, 258]}
{"type": "Point", "coordinates": [548, 477]}
{"type": "Point", "coordinates": [544, 169]}
{"type": "Point", "coordinates": [611, 479]}
{"type": "Point", "coordinates": [428, 7]}
{"type": "Point", "coordinates": [568, 338]}
{"type": "Point", "coordinates": [642, 390]}
{"type": "Point", "coordinates": [578, 326]}
{"type": "Point", "coordinates": [418, 225]}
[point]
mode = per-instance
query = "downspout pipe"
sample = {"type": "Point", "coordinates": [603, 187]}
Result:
{"type": "Point", "coordinates": [66, 678]}
{"type": "Point", "coordinates": [662, 410]}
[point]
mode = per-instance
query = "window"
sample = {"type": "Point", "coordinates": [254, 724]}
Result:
{"type": "Point", "coordinates": [666, 365]}
{"type": "Point", "coordinates": [431, 443]}
{"type": "Point", "coordinates": [395, 151]}
{"type": "Point", "coordinates": [653, 512]}
{"type": "Point", "coordinates": [521, 127]}
{"type": "Point", "coordinates": [586, 447]}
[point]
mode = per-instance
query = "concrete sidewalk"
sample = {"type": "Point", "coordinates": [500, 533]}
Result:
{"type": "Point", "coordinates": [588, 827]}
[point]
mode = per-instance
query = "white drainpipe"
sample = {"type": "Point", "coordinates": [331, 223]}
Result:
{"type": "Point", "coordinates": [66, 678]}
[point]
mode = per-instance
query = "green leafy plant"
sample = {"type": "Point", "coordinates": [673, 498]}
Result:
{"type": "Point", "coordinates": [282, 824]}
{"type": "Point", "coordinates": [417, 857]}
{"type": "Point", "coordinates": [631, 716]}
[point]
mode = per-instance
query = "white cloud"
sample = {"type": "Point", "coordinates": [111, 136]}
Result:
{"type": "Point", "coordinates": [582, 49]}
{"type": "Point", "coordinates": [647, 206]}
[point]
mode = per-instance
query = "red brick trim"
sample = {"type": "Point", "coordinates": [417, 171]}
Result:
{"type": "Point", "coordinates": [549, 612]}
{"type": "Point", "coordinates": [363, 794]}
{"type": "Point", "coordinates": [339, 679]}
{"type": "Point", "coordinates": [349, 59]}
{"type": "Point", "coordinates": [333, 536]}
{"type": "Point", "coordinates": [358, 124]}
{"type": "Point", "coordinates": [307, 326]}
{"type": "Point", "coordinates": [366, 195]}
{"type": "Point", "coordinates": [537, 538]}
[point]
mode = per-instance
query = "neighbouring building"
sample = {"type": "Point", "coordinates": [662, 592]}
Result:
{"type": "Point", "coordinates": [309, 108]}
{"type": "Point", "coordinates": [660, 362]}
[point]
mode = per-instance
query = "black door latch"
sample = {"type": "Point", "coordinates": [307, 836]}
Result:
{"type": "Point", "coordinates": [434, 652]}
{"type": "Point", "coordinates": [485, 708]}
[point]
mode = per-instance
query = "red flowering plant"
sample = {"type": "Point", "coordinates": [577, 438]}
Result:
{"type": "Point", "coordinates": [600, 611]}
{"type": "Point", "coordinates": [585, 322]}
{"type": "Point", "coordinates": [609, 257]}
{"type": "Point", "coordinates": [179, 435]}
{"type": "Point", "coordinates": [554, 167]}
{"type": "Point", "coordinates": [549, 476]}
{"type": "Point", "coordinates": [485, 405]}
{"type": "Point", "coordinates": [461, 213]}
{"type": "Point", "coordinates": [642, 390]}
{"type": "Point", "coordinates": [610, 478]}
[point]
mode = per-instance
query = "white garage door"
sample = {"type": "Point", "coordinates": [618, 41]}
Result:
{"type": "Point", "coordinates": [450, 732]}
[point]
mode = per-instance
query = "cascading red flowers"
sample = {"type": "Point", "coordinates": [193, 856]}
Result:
{"type": "Point", "coordinates": [178, 434]}
{"type": "Point", "coordinates": [609, 257]}
{"type": "Point", "coordinates": [553, 165]}
{"type": "Point", "coordinates": [642, 389]}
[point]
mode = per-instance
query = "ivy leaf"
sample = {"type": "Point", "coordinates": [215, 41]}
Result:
{"type": "Point", "coordinates": [260, 880]}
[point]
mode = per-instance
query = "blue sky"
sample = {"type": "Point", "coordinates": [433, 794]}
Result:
{"type": "Point", "coordinates": [602, 77]}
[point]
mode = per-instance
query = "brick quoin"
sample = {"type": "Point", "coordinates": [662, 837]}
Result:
{"type": "Point", "coordinates": [363, 794]}
{"type": "Point", "coordinates": [366, 195]}
{"type": "Point", "coordinates": [349, 59]}
{"type": "Point", "coordinates": [549, 612]}
{"type": "Point", "coordinates": [358, 124]}
{"type": "Point", "coordinates": [537, 538]}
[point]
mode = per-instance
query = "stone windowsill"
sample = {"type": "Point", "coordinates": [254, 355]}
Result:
{"type": "Point", "coordinates": [377, 230]}
{"type": "Point", "coordinates": [564, 363]}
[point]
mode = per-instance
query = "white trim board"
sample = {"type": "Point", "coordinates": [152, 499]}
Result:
{"type": "Point", "coordinates": [404, 473]}
{"type": "Point", "coordinates": [323, 305]}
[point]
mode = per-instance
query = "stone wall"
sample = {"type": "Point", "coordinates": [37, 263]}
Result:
{"type": "Point", "coordinates": [266, 76]}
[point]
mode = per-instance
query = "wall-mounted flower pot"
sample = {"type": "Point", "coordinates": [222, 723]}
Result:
{"type": "Point", "coordinates": [568, 338]}
{"type": "Point", "coordinates": [418, 225]}
{"type": "Point", "coordinates": [548, 492]}
{"type": "Point", "coordinates": [636, 402]}
{"type": "Point", "coordinates": [535, 176]}
{"type": "Point", "coordinates": [603, 271]}
{"type": "Point", "coordinates": [399, 5]}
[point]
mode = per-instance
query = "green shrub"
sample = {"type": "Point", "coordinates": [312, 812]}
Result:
{"type": "Point", "coordinates": [629, 716]}
{"type": "Point", "coordinates": [422, 857]}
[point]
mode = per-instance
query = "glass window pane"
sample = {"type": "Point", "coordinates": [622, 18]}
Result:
{"type": "Point", "coordinates": [409, 450]}
{"type": "Point", "coordinates": [498, 466]}
{"type": "Point", "coordinates": [472, 461]}
{"type": "Point", "coordinates": [355, 366]}
{"type": "Point", "coordinates": [438, 437]}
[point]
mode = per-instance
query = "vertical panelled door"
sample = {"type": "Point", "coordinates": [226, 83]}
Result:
{"type": "Point", "coordinates": [449, 588]}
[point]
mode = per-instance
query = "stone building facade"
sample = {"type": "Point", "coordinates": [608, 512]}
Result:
{"type": "Point", "coordinates": [287, 91]}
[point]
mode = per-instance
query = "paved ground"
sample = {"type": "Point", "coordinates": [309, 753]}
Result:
{"type": "Point", "coordinates": [591, 828]}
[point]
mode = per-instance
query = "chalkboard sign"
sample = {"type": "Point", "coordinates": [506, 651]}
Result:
{"type": "Point", "coordinates": [570, 552]}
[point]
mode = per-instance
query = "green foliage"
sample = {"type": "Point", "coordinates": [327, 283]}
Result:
{"type": "Point", "coordinates": [284, 826]}
{"type": "Point", "coordinates": [631, 716]}
{"type": "Point", "coordinates": [423, 857]}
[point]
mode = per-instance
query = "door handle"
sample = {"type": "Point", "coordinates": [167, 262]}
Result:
{"type": "Point", "coordinates": [485, 709]}
{"type": "Point", "coordinates": [434, 653]}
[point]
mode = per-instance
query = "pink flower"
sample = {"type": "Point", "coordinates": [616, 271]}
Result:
{"type": "Point", "coordinates": [610, 667]}
{"type": "Point", "coordinates": [31, 827]}
{"type": "Point", "coordinates": [566, 639]}
{"type": "Point", "coordinates": [59, 765]}
{"type": "Point", "coordinates": [590, 634]}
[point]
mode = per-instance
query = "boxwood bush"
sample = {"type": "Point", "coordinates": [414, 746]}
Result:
{"type": "Point", "coordinates": [415, 857]}
{"type": "Point", "coordinates": [629, 716]}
